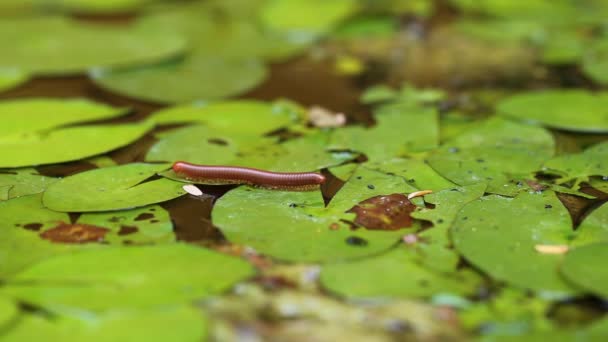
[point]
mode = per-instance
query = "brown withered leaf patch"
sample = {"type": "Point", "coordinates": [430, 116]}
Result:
{"type": "Point", "coordinates": [75, 233]}
{"type": "Point", "coordinates": [385, 212]}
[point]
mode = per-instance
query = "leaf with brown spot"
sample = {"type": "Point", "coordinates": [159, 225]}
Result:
{"type": "Point", "coordinates": [75, 233]}
{"type": "Point", "coordinates": [384, 212]}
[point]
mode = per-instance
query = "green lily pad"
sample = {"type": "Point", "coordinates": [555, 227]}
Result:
{"type": "Point", "coordinates": [183, 323]}
{"type": "Point", "coordinates": [136, 277]}
{"type": "Point", "coordinates": [8, 311]}
{"type": "Point", "coordinates": [579, 167]}
{"type": "Point", "coordinates": [417, 173]}
{"type": "Point", "coordinates": [498, 235]}
{"type": "Point", "coordinates": [21, 182]}
{"type": "Point", "coordinates": [296, 226]}
{"type": "Point", "coordinates": [27, 221]}
{"type": "Point", "coordinates": [575, 110]}
{"type": "Point", "coordinates": [66, 144]}
{"type": "Point", "coordinates": [434, 248]}
{"type": "Point", "coordinates": [393, 275]}
{"type": "Point", "coordinates": [306, 17]}
{"type": "Point", "coordinates": [246, 116]}
{"type": "Point", "coordinates": [112, 188]}
{"type": "Point", "coordinates": [10, 78]}
{"type": "Point", "coordinates": [496, 152]}
{"type": "Point", "coordinates": [400, 128]}
{"type": "Point", "coordinates": [20, 244]}
{"type": "Point", "coordinates": [209, 146]}
{"type": "Point", "coordinates": [594, 63]}
{"type": "Point", "coordinates": [584, 266]}
{"type": "Point", "coordinates": [51, 46]}
{"type": "Point", "coordinates": [197, 77]}
{"type": "Point", "coordinates": [146, 225]}
{"type": "Point", "coordinates": [233, 36]}
{"type": "Point", "coordinates": [38, 114]}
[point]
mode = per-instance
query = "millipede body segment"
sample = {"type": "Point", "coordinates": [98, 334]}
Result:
{"type": "Point", "coordinates": [244, 175]}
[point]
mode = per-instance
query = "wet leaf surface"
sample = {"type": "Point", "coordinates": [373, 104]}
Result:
{"type": "Point", "coordinates": [112, 188]}
{"type": "Point", "coordinates": [579, 167]}
{"type": "Point", "coordinates": [22, 182]}
{"type": "Point", "coordinates": [197, 77]}
{"type": "Point", "coordinates": [43, 114]}
{"type": "Point", "coordinates": [435, 249]}
{"type": "Point", "coordinates": [498, 235]}
{"type": "Point", "coordinates": [497, 152]}
{"type": "Point", "coordinates": [394, 274]}
{"type": "Point", "coordinates": [408, 128]}
{"type": "Point", "coordinates": [296, 226]}
{"type": "Point", "coordinates": [241, 116]}
{"type": "Point", "coordinates": [54, 45]}
{"type": "Point", "coordinates": [576, 110]}
{"type": "Point", "coordinates": [584, 267]}
{"type": "Point", "coordinates": [66, 144]}
{"type": "Point", "coordinates": [184, 323]}
{"type": "Point", "coordinates": [209, 146]}
{"type": "Point", "coordinates": [101, 280]}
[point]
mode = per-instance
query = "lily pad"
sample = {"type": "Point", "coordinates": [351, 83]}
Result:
{"type": "Point", "coordinates": [8, 311]}
{"type": "Point", "coordinates": [416, 172]}
{"type": "Point", "coordinates": [51, 46]}
{"type": "Point", "coordinates": [154, 276]}
{"type": "Point", "coordinates": [399, 129]}
{"type": "Point", "coordinates": [197, 77]}
{"type": "Point", "coordinates": [246, 116]}
{"type": "Point", "coordinates": [20, 244]}
{"type": "Point", "coordinates": [584, 267]}
{"type": "Point", "coordinates": [21, 182]}
{"type": "Point", "coordinates": [112, 188]}
{"type": "Point", "coordinates": [39, 114]}
{"type": "Point", "coordinates": [575, 110]}
{"type": "Point", "coordinates": [208, 146]}
{"type": "Point", "coordinates": [594, 63]}
{"type": "Point", "coordinates": [184, 323]}
{"type": "Point", "coordinates": [10, 78]}
{"type": "Point", "coordinates": [304, 17]}
{"type": "Point", "coordinates": [30, 232]}
{"type": "Point", "coordinates": [496, 152]}
{"type": "Point", "coordinates": [393, 275]}
{"type": "Point", "coordinates": [579, 167]}
{"type": "Point", "coordinates": [498, 235]}
{"type": "Point", "coordinates": [296, 226]}
{"type": "Point", "coordinates": [146, 225]}
{"type": "Point", "coordinates": [435, 249]}
{"type": "Point", "coordinates": [66, 144]}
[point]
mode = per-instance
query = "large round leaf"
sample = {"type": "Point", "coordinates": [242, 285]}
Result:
{"type": "Point", "coordinates": [576, 110]}
{"type": "Point", "coordinates": [59, 46]}
{"type": "Point", "coordinates": [586, 267]}
{"type": "Point", "coordinates": [497, 152]}
{"type": "Point", "coordinates": [136, 277]}
{"type": "Point", "coordinates": [393, 274]}
{"type": "Point", "coordinates": [246, 116]}
{"type": "Point", "coordinates": [197, 77]}
{"type": "Point", "coordinates": [38, 114]}
{"type": "Point", "coordinates": [499, 235]}
{"type": "Point", "coordinates": [296, 226]}
{"type": "Point", "coordinates": [183, 323]}
{"type": "Point", "coordinates": [112, 188]}
{"type": "Point", "coordinates": [66, 144]}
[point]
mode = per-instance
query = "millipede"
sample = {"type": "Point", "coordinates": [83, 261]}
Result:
{"type": "Point", "coordinates": [215, 174]}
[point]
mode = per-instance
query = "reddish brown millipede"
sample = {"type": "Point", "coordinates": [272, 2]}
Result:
{"type": "Point", "coordinates": [209, 174]}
